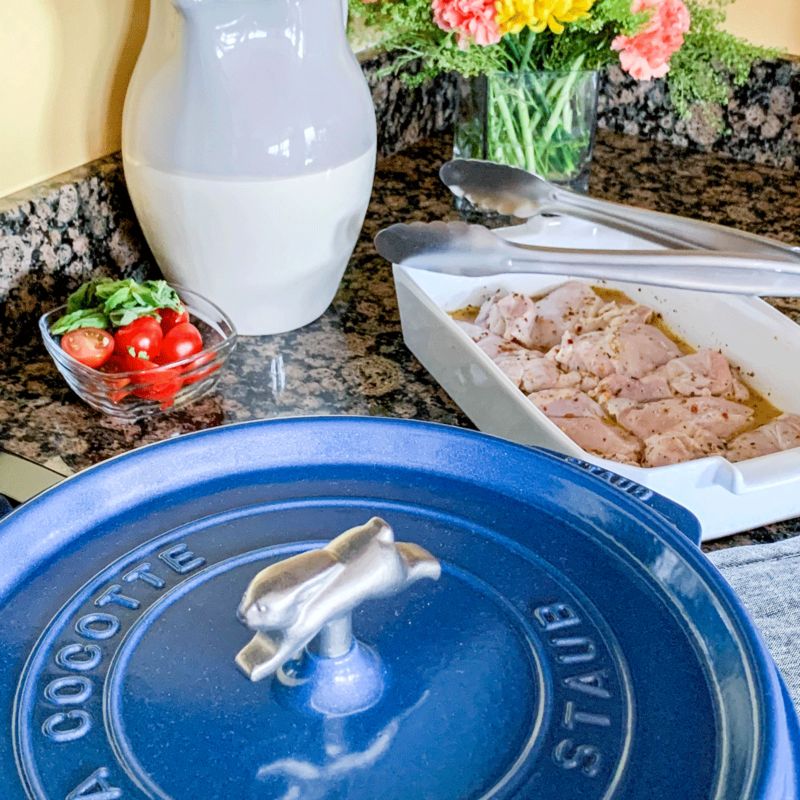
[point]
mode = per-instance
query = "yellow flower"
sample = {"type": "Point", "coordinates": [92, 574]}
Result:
{"type": "Point", "coordinates": [553, 13]}
{"type": "Point", "coordinates": [514, 15]}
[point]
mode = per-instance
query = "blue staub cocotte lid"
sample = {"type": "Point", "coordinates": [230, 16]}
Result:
{"type": "Point", "coordinates": [577, 644]}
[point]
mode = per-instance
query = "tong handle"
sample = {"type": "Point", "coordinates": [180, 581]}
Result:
{"type": "Point", "coordinates": [668, 230]}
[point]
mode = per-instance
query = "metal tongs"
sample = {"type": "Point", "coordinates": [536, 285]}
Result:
{"type": "Point", "coordinates": [495, 187]}
{"type": "Point", "coordinates": [754, 265]}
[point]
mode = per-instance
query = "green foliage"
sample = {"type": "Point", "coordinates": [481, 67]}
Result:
{"type": "Point", "coordinates": [711, 60]}
{"type": "Point", "coordinates": [703, 71]}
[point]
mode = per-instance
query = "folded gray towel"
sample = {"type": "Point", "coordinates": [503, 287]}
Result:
{"type": "Point", "coordinates": [767, 579]}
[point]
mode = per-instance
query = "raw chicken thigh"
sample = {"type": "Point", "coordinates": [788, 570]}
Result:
{"type": "Point", "coordinates": [778, 434]}
{"type": "Point", "coordinates": [721, 418]}
{"type": "Point", "coordinates": [596, 436]}
{"type": "Point", "coordinates": [632, 349]}
{"type": "Point", "coordinates": [618, 385]}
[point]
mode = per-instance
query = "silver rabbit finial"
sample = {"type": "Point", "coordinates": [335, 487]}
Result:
{"type": "Point", "coordinates": [314, 593]}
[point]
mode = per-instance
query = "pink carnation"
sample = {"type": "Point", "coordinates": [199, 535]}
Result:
{"type": "Point", "coordinates": [646, 55]}
{"type": "Point", "coordinates": [474, 20]}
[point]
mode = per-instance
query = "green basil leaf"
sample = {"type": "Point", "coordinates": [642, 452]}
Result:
{"type": "Point", "coordinates": [77, 300]}
{"type": "Point", "coordinates": [82, 318]}
{"type": "Point", "coordinates": [163, 295]}
{"type": "Point", "coordinates": [121, 298]}
{"type": "Point", "coordinates": [105, 287]}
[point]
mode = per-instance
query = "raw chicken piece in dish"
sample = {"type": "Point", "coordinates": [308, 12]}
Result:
{"type": "Point", "coordinates": [600, 438]}
{"type": "Point", "coordinates": [508, 316]}
{"type": "Point", "coordinates": [684, 443]}
{"type": "Point", "coordinates": [586, 362]}
{"type": "Point", "coordinates": [721, 418]}
{"type": "Point", "coordinates": [654, 386]}
{"type": "Point", "coordinates": [541, 323]}
{"type": "Point", "coordinates": [632, 349]}
{"type": "Point", "coordinates": [565, 403]}
{"type": "Point", "coordinates": [704, 373]}
{"type": "Point", "coordinates": [529, 369]}
{"type": "Point", "coordinates": [778, 434]}
{"type": "Point", "coordinates": [490, 343]}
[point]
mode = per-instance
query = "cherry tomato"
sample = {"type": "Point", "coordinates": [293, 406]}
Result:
{"type": "Point", "coordinates": [170, 318]}
{"type": "Point", "coordinates": [195, 366]}
{"type": "Point", "coordinates": [161, 386]}
{"type": "Point", "coordinates": [91, 346]}
{"type": "Point", "coordinates": [182, 341]}
{"type": "Point", "coordinates": [143, 335]}
{"type": "Point", "coordinates": [116, 386]}
{"type": "Point", "coordinates": [162, 391]}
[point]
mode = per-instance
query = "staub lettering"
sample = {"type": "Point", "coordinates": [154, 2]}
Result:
{"type": "Point", "coordinates": [618, 481]}
{"type": "Point", "coordinates": [72, 693]}
{"type": "Point", "coordinates": [585, 757]}
{"type": "Point", "coordinates": [570, 646]}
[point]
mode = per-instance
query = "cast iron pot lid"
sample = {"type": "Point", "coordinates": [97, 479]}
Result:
{"type": "Point", "coordinates": [577, 644]}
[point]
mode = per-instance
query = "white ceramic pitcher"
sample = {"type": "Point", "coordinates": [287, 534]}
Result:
{"type": "Point", "coordinates": [249, 152]}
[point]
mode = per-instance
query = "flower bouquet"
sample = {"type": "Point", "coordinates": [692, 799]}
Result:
{"type": "Point", "coordinates": [531, 65]}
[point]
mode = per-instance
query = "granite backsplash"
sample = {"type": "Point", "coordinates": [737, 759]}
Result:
{"type": "Point", "coordinates": [57, 234]}
{"type": "Point", "coordinates": [760, 124]}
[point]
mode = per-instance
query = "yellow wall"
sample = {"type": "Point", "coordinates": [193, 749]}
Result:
{"type": "Point", "coordinates": [64, 66]}
{"type": "Point", "coordinates": [775, 23]}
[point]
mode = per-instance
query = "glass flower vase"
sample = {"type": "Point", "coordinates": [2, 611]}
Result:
{"type": "Point", "coordinates": [541, 121]}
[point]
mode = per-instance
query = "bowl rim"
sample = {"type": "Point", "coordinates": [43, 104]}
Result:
{"type": "Point", "coordinates": [63, 358]}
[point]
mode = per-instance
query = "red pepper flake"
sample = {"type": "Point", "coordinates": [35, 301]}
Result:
{"type": "Point", "coordinates": [693, 408]}
{"type": "Point", "coordinates": [724, 415]}
{"type": "Point", "coordinates": [569, 341]}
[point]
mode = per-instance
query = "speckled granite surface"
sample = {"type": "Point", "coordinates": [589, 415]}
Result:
{"type": "Point", "coordinates": [352, 360]}
{"type": "Point", "coordinates": [760, 124]}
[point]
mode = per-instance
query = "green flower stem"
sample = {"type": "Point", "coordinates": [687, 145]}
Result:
{"type": "Point", "coordinates": [526, 53]}
{"type": "Point", "coordinates": [523, 103]}
{"type": "Point", "coordinates": [563, 99]}
{"type": "Point", "coordinates": [497, 98]}
{"type": "Point", "coordinates": [526, 126]}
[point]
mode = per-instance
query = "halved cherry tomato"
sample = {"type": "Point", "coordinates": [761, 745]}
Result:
{"type": "Point", "coordinates": [170, 318]}
{"type": "Point", "coordinates": [182, 341]}
{"type": "Point", "coordinates": [143, 335]}
{"type": "Point", "coordinates": [91, 346]}
{"type": "Point", "coordinates": [195, 365]}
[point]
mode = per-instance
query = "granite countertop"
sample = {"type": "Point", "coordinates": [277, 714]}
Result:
{"type": "Point", "coordinates": [353, 360]}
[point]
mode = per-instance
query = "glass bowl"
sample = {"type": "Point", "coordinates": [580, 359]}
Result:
{"type": "Point", "coordinates": [130, 396]}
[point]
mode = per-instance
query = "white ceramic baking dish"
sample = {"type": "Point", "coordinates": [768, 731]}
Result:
{"type": "Point", "coordinates": [726, 497]}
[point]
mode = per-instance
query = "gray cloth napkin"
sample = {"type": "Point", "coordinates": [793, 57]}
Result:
{"type": "Point", "coordinates": [767, 579]}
